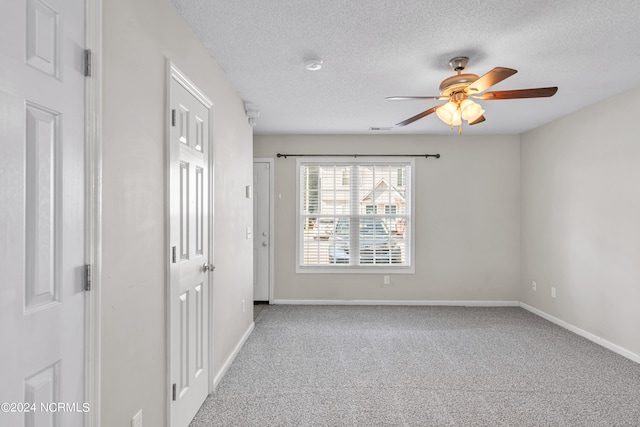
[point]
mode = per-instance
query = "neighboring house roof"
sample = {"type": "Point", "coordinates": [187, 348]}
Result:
{"type": "Point", "coordinates": [381, 188]}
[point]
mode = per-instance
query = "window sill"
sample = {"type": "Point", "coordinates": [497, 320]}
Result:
{"type": "Point", "coordinates": [356, 270]}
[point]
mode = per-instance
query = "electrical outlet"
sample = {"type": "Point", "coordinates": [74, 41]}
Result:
{"type": "Point", "coordinates": [386, 280]}
{"type": "Point", "coordinates": [534, 285]}
{"type": "Point", "coordinates": [553, 292]}
{"type": "Point", "coordinates": [136, 421]}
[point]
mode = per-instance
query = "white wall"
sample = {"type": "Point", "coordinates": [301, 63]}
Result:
{"type": "Point", "coordinates": [138, 36]}
{"type": "Point", "coordinates": [467, 212]}
{"type": "Point", "coordinates": [581, 219]}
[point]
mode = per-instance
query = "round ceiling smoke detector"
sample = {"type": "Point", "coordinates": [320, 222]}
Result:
{"type": "Point", "coordinates": [312, 64]}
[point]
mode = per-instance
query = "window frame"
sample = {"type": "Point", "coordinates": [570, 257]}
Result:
{"type": "Point", "coordinates": [409, 182]}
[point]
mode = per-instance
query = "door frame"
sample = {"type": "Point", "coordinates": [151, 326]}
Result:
{"type": "Point", "coordinates": [93, 209]}
{"type": "Point", "coordinates": [271, 163]}
{"type": "Point", "coordinates": [174, 73]}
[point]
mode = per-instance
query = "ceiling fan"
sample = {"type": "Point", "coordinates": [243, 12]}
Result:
{"type": "Point", "coordinates": [460, 88]}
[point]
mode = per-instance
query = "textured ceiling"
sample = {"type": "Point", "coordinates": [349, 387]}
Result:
{"type": "Point", "coordinates": [373, 49]}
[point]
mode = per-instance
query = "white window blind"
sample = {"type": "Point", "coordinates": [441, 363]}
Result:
{"type": "Point", "coordinates": [354, 215]}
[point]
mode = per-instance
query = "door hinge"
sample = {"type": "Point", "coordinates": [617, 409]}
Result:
{"type": "Point", "coordinates": [88, 62]}
{"type": "Point", "coordinates": [173, 117]}
{"type": "Point", "coordinates": [174, 254]}
{"type": "Point", "coordinates": [87, 277]}
{"type": "Point", "coordinates": [173, 391]}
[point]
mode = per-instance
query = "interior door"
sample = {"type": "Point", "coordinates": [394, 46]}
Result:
{"type": "Point", "coordinates": [189, 249]}
{"type": "Point", "coordinates": [262, 170]}
{"type": "Point", "coordinates": [42, 212]}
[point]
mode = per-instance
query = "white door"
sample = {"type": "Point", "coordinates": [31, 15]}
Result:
{"type": "Point", "coordinates": [262, 197]}
{"type": "Point", "coordinates": [189, 249]}
{"type": "Point", "coordinates": [42, 212]}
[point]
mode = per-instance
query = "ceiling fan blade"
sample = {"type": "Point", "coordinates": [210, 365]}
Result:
{"type": "Point", "coordinates": [417, 116]}
{"type": "Point", "coordinates": [541, 92]}
{"type": "Point", "coordinates": [478, 120]}
{"type": "Point", "coordinates": [413, 98]}
{"type": "Point", "coordinates": [493, 77]}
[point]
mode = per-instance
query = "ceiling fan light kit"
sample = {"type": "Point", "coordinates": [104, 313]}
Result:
{"type": "Point", "coordinates": [470, 110]}
{"type": "Point", "coordinates": [459, 88]}
{"type": "Point", "coordinates": [448, 113]}
{"type": "Point", "coordinates": [452, 113]}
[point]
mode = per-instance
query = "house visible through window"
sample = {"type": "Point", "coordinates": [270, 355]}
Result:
{"type": "Point", "coordinates": [354, 215]}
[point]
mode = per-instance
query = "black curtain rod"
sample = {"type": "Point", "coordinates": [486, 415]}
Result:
{"type": "Point", "coordinates": [437, 156]}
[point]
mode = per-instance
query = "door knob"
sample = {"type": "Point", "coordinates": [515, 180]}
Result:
{"type": "Point", "coordinates": [265, 244]}
{"type": "Point", "coordinates": [208, 267]}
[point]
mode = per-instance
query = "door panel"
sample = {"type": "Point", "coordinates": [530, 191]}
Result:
{"type": "Point", "coordinates": [189, 233]}
{"type": "Point", "coordinates": [42, 187]}
{"type": "Point", "coordinates": [42, 203]}
{"type": "Point", "coordinates": [262, 230]}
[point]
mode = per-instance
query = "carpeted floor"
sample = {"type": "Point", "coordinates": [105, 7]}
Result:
{"type": "Point", "coordinates": [420, 366]}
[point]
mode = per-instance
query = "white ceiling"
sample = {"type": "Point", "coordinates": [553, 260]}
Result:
{"type": "Point", "coordinates": [373, 49]}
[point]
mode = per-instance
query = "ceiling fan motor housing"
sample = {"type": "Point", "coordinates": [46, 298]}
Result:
{"type": "Point", "coordinates": [457, 83]}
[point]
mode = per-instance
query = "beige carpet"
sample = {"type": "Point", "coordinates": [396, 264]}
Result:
{"type": "Point", "coordinates": [420, 366]}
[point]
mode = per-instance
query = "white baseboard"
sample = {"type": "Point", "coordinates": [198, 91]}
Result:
{"type": "Point", "coordinates": [400, 302]}
{"type": "Point", "coordinates": [588, 335]}
{"type": "Point", "coordinates": [232, 356]}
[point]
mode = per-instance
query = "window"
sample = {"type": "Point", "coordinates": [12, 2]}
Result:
{"type": "Point", "coordinates": [400, 177]}
{"type": "Point", "coordinates": [345, 176]}
{"type": "Point", "coordinates": [362, 223]}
